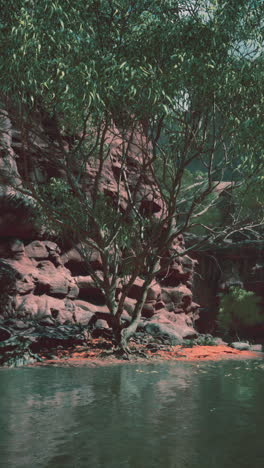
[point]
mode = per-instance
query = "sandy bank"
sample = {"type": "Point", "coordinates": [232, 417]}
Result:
{"type": "Point", "coordinates": [97, 357]}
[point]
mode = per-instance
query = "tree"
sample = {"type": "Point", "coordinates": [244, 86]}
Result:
{"type": "Point", "coordinates": [171, 90]}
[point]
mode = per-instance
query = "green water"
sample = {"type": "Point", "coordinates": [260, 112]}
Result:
{"type": "Point", "coordinates": [175, 415]}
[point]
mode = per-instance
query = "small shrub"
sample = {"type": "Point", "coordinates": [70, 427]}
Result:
{"type": "Point", "coordinates": [205, 340]}
{"type": "Point", "coordinates": [202, 340]}
{"type": "Point", "coordinates": [239, 309]}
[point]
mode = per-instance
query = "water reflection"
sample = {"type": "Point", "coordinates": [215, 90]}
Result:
{"type": "Point", "coordinates": [175, 415]}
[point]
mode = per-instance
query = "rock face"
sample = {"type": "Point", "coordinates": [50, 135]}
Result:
{"type": "Point", "coordinates": [51, 286]}
{"type": "Point", "coordinates": [41, 287]}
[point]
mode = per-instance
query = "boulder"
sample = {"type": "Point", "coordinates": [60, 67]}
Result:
{"type": "Point", "coordinates": [55, 281]}
{"type": "Point", "coordinates": [101, 324]}
{"type": "Point", "coordinates": [82, 316]}
{"type": "Point", "coordinates": [177, 299]}
{"type": "Point", "coordinates": [256, 347]}
{"type": "Point", "coordinates": [38, 307]}
{"type": "Point", "coordinates": [148, 309]}
{"type": "Point", "coordinates": [27, 306]}
{"type": "Point", "coordinates": [164, 330]}
{"type": "Point", "coordinates": [73, 290]}
{"type": "Point", "coordinates": [89, 290]}
{"type": "Point", "coordinates": [77, 265]}
{"type": "Point", "coordinates": [25, 274]}
{"type": "Point", "coordinates": [181, 323]}
{"type": "Point", "coordinates": [25, 284]}
{"type": "Point", "coordinates": [37, 250]}
{"type": "Point", "coordinates": [219, 342]}
{"type": "Point", "coordinates": [85, 305]}
{"type": "Point", "coordinates": [153, 292]}
{"type": "Point", "coordinates": [240, 346]}
{"type": "Point", "coordinates": [84, 311]}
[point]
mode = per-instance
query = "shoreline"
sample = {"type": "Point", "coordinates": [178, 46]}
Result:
{"type": "Point", "coordinates": [84, 357]}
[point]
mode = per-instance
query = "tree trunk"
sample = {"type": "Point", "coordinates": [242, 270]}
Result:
{"type": "Point", "coordinates": [129, 331]}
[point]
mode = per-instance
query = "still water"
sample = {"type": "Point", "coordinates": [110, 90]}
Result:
{"type": "Point", "coordinates": [171, 415]}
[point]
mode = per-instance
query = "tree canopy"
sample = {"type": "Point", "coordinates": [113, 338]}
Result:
{"type": "Point", "coordinates": [137, 57]}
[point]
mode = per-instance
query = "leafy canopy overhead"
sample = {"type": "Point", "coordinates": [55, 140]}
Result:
{"type": "Point", "coordinates": [191, 71]}
{"type": "Point", "coordinates": [139, 56]}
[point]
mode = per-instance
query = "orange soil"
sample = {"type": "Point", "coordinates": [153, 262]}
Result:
{"type": "Point", "coordinates": [97, 356]}
{"type": "Point", "coordinates": [215, 353]}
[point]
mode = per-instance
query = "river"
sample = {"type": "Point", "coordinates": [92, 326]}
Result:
{"type": "Point", "coordinates": [170, 415]}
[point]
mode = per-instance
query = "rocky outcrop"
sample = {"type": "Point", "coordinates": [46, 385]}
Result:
{"type": "Point", "coordinates": [43, 305]}
{"type": "Point", "coordinates": [44, 289]}
{"type": "Point", "coordinates": [50, 285]}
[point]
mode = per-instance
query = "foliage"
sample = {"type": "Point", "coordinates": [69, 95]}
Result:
{"type": "Point", "coordinates": [57, 195]}
{"type": "Point", "coordinates": [213, 216]}
{"type": "Point", "coordinates": [202, 340]}
{"type": "Point", "coordinates": [249, 200]}
{"type": "Point", "coordinates": [239, 309]}
{"type": "Point", "coordinates": [131, 57]}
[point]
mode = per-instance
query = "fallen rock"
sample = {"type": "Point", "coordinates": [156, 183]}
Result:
{"type": "Point", "coordinates": [101, 324]}
{"type": "Point", "coordinates": [240, 346]}
{"type": "Point", "coordinates": [256, 347]}
{"type": "Point", "coordinates": [219, 342]}
{"type": "Point", "coordinates": [163, 330]}
{"type": "Point", "coordinates": [181, 323]}
{"type": "Point", "coordinates": [82, 316]}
